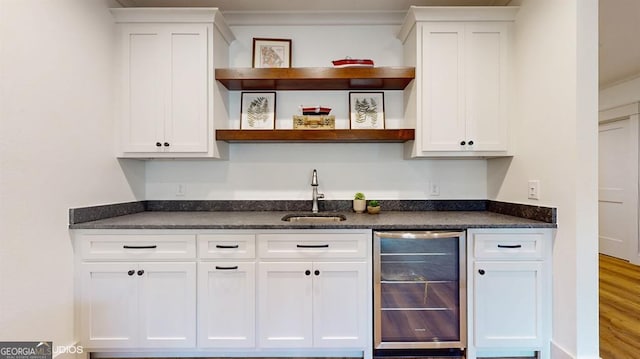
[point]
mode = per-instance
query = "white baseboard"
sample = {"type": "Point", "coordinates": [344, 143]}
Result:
{"type": "Point", "coordinates": [558, 352]}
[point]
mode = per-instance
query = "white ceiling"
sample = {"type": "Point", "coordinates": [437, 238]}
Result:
{"type": "Point", "coordinates": [619, 22]}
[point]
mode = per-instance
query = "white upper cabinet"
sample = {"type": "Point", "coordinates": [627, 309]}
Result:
{"type": "Point", "coordinates": [167, 94]}
{"type": "Point", "coordinates": [458, 102]}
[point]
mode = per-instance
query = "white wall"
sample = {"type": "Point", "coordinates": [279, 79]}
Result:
{"type": "Point", "coordinates": [283, 171]}
{"type": "Point", "coordinates": [56, 152]}
{"type": "Point", "coordinates": [620, 94]}
{"type": "Point", "coordinates": [556, 87]}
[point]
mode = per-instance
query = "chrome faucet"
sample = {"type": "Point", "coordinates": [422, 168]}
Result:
{"type": "Point", "coordinates": [314, 194]}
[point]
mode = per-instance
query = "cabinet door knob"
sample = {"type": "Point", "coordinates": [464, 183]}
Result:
{"type": "Point", "coordinates": [166, 144]}
{"type": "Point", "coordinates": [317, 272]}
{"type": "Point", "coordinates": [158, 144]}
{"type": "Point", "coordinates": [481, 271]}
{"type": "Point", "coordinates": [130, 273]}
{"type": "Point", "coordinates": [471, 143]}
{"type": "Point", "coordinates": [141, 272]}
{"type": "Point", "coordinates": [462, 143]}
{"type": "Point", "coordinates": [307, 272]}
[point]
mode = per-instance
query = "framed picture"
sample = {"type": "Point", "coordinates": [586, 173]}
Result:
{"type": "Point", "coordinates": [258, 111]}
{"type": "Point", "coordinates": [271, 53]}
{"type": "Point", "coordinates": [366, 110]}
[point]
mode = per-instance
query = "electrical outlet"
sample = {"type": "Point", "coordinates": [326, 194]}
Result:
{"type": "Point", "coordinates": [534, 189]}
{"type": "Point", "coordinates": [181, 190]}
{"type": "Point", "coordinates": [434, 188]}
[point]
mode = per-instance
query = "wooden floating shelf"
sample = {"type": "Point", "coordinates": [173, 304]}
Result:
{"type": "Point", "coordinates": [316, 78]}
{"type": "Point", "coordinates": [323, 136]}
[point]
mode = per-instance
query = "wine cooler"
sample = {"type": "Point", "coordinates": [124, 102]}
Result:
{"type": "Point", "coordinates": [419, 290]}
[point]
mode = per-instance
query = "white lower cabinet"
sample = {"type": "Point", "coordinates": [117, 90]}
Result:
{"type": "Point", "coordinates": [226, 304]}
{"type": "Point", "coordinates": [285, 305]}
{"type": "Point", "coordinates": [314, 290]}
{"type": "Point", "coordinates": [312, 304]}
{"type": "Point", "coordinates": [224, 292]}
{"type": "Point", "coordinates": [509, 292]}
{"type": "Point", "coordinates": [138, 305]}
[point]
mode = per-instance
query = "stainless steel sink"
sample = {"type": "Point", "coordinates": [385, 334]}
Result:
{"type": "Point", "coordinates": [314, 218]}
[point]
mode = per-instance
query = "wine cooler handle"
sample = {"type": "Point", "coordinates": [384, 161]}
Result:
{"type": "Point", "coordinates": [418, 235]}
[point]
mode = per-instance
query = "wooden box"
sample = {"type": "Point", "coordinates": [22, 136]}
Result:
{"type": "Point", "coordinates": [309, 122]}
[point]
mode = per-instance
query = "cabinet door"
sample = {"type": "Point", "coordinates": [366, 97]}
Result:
{"type": "Point", "coordinates": [442, 90]}
{"type": "Point", "coordinates": [108, 301]}
{"type": "Point", "coordinates": [165, 88]}
{"type": "Point", "coordinates": [339, 305]}
{"type": "Point", "coordinates": [144, 76]}
{"type": "Point", "coordinates": [226, 305]}
{"type": "Point", "coordinates": [486, 58]}
{"type": "Point", "coordinates": [186, 123]}
{"type": "Point", "coordinates": [285, 304]}
{"type": "Point", "coordinates": [508, 304]}
{"type": "Point", "coordinates": [167, 305]}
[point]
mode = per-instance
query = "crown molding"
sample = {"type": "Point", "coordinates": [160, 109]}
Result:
{"type": "Point", "coordinates": [268, 18]}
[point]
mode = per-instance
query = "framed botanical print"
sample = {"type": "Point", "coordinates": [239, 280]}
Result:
{"type": "Point", "coordinates": [258, 111]}
{"type": "Point", "coordinates": [366, 110]}
{"type": "Point", "coordinates": [271, 53]}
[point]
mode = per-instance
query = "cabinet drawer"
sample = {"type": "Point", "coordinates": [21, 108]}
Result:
{"type": "Point", "coordinates": [138, 246]}
{"type": "Point", "coordinates": [224, 246]}
{"type": "Point", "coordinates": [509, 245]}
{"type": "Point", "coordinates": [313, 245]}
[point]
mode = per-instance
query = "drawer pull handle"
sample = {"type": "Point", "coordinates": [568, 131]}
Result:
{"type": "Point", "coordinates": [312, 246]}
{"type": "Point", "coordinates": [131, 272]}
{"type": "Point", "coordinates": [307, 272]}
{"type": "Point", "coordinates": [481, 271]}
{"type": "Point", "coordinates": [140, 247]}
{"type": "Point", "coordinates": [141, 272]}
{"type": "Point", "coordinates": [222, 246]}
{"type": "Point", "coordinates": [509, 245]}
{"type": "Point", "coordinates": [226, 268]}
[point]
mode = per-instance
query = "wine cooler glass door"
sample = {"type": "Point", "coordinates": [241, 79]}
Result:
{"type": "Point", "coordinates": [419, 290]}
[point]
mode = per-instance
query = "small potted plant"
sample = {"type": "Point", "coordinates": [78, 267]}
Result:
{"type": "Point", "coordinates": [373, 207]}
{"type": "Point", "coordinates": [359, 202]}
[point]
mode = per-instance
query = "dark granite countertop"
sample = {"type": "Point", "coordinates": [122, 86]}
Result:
{"type": "Point", "coordinates": [386, 220]}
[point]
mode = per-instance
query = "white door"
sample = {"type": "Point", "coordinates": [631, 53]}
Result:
{"type": "Point", "coordinates": [109, 301]}
{"type": "Point", "coordinates": [618, 189]}
{"type": "Point", "coordinates": [508, 304]}
{"type": "Point", "coordinates": [165, 87]}
{"type": "Point", "coordinates": [167, 305]}
{"type": "Point", "coordinates": [339, 305]}
{"type": "Point", "coordinates": [187, 111]}
{"type": "Point", "coordinates": [442, 92]}
{"type": "Point", "coordinates": [226, 305]}
{"type": "Point", "coordinates": [143, 85]}
{"type": "Point", "coordinates": [486, 86]}
{"type": "Point", "coordinates": [285, 304]}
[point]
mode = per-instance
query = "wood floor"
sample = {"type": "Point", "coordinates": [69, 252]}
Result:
{"type": "Point", "coordinates": [619, 309]}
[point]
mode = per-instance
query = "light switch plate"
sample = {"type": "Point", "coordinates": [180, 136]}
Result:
{"type": "Point", "coordinates": [434, 188]}
{"type": "Point", "coordinates": [534, 189]}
